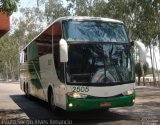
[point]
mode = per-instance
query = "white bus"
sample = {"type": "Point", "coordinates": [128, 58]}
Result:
{"type": "Point", "coordinates": [80, 63]}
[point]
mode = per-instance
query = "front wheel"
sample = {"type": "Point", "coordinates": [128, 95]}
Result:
{"type": "Point", "coordinates": [27, 91]}
{"type": "Point", "coordinates": [51, 102]}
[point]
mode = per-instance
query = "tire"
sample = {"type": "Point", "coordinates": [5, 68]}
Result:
{"type": "Point", "coordinates": [51, 101]}
{"type": "Point", "coordinates": [27, 91]}
{"type": "Point", "coordinates": [24, 87]}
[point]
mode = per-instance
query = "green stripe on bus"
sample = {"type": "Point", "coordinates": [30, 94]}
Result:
{"type": "Point", "coordinates": [91, 104]}
{"type": "Point", "coordinates": [36, 83]}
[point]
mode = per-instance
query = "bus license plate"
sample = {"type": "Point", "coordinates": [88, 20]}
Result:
{"type": "Point", "coordinates": [105, 104]}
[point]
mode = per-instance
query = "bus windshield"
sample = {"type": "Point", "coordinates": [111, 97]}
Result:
{"type": "Point", "coordinates": [95, 31]}
{"type": "Point", "coordinates": [100, 63]}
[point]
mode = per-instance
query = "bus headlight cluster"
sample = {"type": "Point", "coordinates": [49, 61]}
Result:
{"type": "Point", "coordinates": [76, 95]}
{"type": "Point", "coordinates": [128, 92]}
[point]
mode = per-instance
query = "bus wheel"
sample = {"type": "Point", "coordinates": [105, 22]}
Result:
{"type": "Point", "coordinates": [24, 87]}
{"type": "Point", "coordinates": [27, 91]}
{"type": "Point", "coordinates": [51, 101]}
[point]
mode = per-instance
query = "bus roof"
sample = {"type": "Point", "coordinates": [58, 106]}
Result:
{"type": "Point", "coordinates": [86, 18]}
{"type": "Point", "coordinates": [78, 18]}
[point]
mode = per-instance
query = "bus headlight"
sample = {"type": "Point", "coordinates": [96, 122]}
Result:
{"type": "Point", "coordinates": [76, 95]}
{"type": "Point", "coordinates": [128, 92]}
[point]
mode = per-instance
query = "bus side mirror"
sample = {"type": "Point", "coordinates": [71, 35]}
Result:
{"type": "Point", "coordinates": [142, 49]}
{"type": "Point", "coordinates": [21, 60]}
{"type": "Point", "coordinates": [63, 51]}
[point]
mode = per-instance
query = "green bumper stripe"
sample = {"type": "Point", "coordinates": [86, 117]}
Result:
{"type": "Point", "coordinates": [91, 104]}
{"type": "Point", "coordinates": [36, 83]}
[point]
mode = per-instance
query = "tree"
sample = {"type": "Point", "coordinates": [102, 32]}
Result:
{"type": "Point", "coordinates": [81, 7]}
{"type": "Point", "coordinates": [55, 9]}
{"type": "Point", "coordinates": [27, 27]}
{"type": "Point", "coordinates": [138, 70]}
{"type": "Point", "coordinates": [101, 9]}
{"type": "Point", "coordinates": [9, 57]}
{"type": "Point", "coordinates": [8, 6]}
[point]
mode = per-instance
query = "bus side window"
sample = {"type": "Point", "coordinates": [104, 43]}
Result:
{"type": "Point", "coordinates": [44, 43]}
{"type": "Point", "coordinates": [25, 57]}
{"type": "Point", "coordinates": [57, 35]}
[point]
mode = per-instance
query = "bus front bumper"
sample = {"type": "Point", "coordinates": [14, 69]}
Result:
{"type": "Point", "coordinates": [83, 104]}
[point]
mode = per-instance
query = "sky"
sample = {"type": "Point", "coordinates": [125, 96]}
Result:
{"type": "Point", "coordinates": [32, 3]}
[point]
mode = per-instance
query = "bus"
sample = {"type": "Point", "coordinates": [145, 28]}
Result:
{"type": "Point", "coordinates": [81, 63]}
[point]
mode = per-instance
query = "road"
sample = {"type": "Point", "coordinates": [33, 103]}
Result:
{"type": "Point", "coordinates": [16, 109]}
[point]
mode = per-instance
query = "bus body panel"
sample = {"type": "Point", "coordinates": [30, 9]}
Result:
{"type": "Point", "coordinates": [101, 91]}
{"type": "Point", "coordinates": [48, 73]}
{"type": "Point", "coordinates": [100, 97]}
{"type": "Point", "coordinates": [49, 78]}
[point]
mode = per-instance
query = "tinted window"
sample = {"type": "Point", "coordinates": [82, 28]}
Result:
{"type": "Point", "coordinates": [99, 63]}
{"type": "Point", "coordinates": [95, 31]}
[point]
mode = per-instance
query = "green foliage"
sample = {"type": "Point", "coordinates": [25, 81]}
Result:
{"type": "Point", "coordinates": [8, 6]}
{"type": "Point", "coordinates": [54, 9]}
{"type": "Point", "coordinates": [9, 56]}
{"type": "Point", "coordinates": [81, 7]}
{"type": "Point", "coordinates": [26, 28]}
{"type": "Point", "coordinates": [138, 70]}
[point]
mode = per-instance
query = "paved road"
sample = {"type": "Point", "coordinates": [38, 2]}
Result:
{"type": "Point", "coordinates": [15, 108]}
